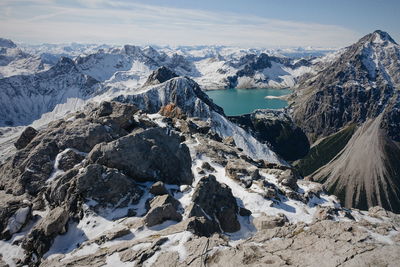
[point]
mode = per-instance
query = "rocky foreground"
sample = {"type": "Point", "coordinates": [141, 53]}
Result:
{"type": "Point", "coordinates": [113, 185]}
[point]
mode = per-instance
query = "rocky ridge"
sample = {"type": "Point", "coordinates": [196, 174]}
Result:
{"type": "Point", "coordinates": [97, 211]}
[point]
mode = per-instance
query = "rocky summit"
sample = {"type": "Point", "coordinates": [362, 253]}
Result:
{"type": "Point", "coordinates": [153, 173]}
{"type": "Point", "coordinates": [356, 131]}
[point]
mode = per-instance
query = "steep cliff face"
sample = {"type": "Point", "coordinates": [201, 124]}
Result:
{"type": "Point", "coordinates": [362, 88]}
{"type": "Point", "coordinates": [276, 128]}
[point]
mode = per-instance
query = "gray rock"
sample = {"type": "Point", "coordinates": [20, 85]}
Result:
{"type": "Point", "coordinates": [150, 155]}
{"type": "Point", "coordinates": [143, 254]}
{"type": "Point", "coordinates": [112, 234]}
{"type": "Point", "coordinates": [264, 222]}
{"type": "Point", "coordinates": [201, 226]}
{"type": "Point", "coordinates": [107, 186]}
{"type": "Point", "coordinates": [242, 171]}
{"type": "Point", "coordinates": [158, 189]}
{"type": "Point", "coordinates": [25, 138]}
{"type": "Point", "coordinates": [41, 237]}
{"type": "Point", "coordinates": [160, 75]}
{"type": "Point", "coordinates": [326, 242]}
{"type": "Point", "coordinates": [115, 115]}
{"type": "Point", "coordinates": [14, 214]}
{"type": "Point", "coordinates": [162, 208]}
{"type": "Point", "coordinates": [288, 178]}
{"type": "Point", "coordinates": [69, 159]}
{"type": "Point", "coordinates": [206, 166]}
{"type": "Point", "coordinates": [244, 212]}
{"type": "Point", "coordinates": [216, 202]}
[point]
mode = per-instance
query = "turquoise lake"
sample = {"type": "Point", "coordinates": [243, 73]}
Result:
{"type": "Point", "coordinates": [243, 101]}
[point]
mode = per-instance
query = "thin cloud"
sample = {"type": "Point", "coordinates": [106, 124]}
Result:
{"type": "Point", "coordinates": [121, 22]}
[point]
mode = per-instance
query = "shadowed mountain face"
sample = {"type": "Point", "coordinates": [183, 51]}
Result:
{"type": "Point", "coordinates": [361, 87]}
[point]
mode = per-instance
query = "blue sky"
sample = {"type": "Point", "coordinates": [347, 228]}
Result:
{"type": "Point", "coordinates": [247, 23]}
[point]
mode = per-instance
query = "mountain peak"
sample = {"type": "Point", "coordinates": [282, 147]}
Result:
{"type": "Point", "coordinates": [7, 43]}
{"type": "Point", "coordinates": [131, 49]}
{"type": "Point", "coordinates": [378, 37]}
{"type": "Point", "coordinates": [160, 75]}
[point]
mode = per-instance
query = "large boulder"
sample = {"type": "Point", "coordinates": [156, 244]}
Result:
{"type": "Point", "coordinates": [14, 214]}
{"type": "Point", "coordinates": [162, 208]}
{"type": "Point", "coordinates": [215, 201]}
{"type": "Point", "coordinates": [104, 187]}
{"type": "Point", "coordinates": [108, 187]}
{"type": "Point", "coordinates": [40, 238]}
{"type": "Point", "coordinates": [151, 155]}
{"type": "Point", "coordinates": [68, 159]}
{"type": "Point", "coordinates": [25, 138]}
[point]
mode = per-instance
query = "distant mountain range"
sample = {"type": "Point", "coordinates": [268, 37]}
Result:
{"type": "Point", "coordinates": [42, 80]}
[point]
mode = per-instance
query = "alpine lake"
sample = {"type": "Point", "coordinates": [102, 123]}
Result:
{"type": "Point", "coordinates": [243, 101]}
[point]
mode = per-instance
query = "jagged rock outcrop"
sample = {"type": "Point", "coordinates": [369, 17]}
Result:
{"type": "Point", "coordinates": [150, 155]}
{"type": "Point", "coordinates": [27, 135]}
{"type": "Point", "coordinates": [182, 91]}
{"type": "Point", "coordinates": [220, 208]}
{"type": "Point", "coordinates": [277, 129]}
{"type": "Point", "coordinates": [28, 170]}
{"type": "Point", "coordinates": [162, 208]}
{"type": "Point", "coordinates": [160, 75]}
{"type": "Point", "coordinates": [359, 91]}
{"type": "Point", "coordinates": [14, 214]}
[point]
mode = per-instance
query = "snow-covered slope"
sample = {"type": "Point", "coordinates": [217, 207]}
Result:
{"type": "Point", "coordinates": [24, 98]}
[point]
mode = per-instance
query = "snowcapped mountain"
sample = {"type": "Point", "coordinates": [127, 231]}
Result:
{"type": "Point", "coordinates": [357, 99]}
{"type": "Point", "coordinates": [251, 71]}
{"type": "Point", "coordinates": [15, 61]}
{"type": "Point", "coordinates": [24, 98]}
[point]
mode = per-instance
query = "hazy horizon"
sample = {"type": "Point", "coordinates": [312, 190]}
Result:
{"type": "Point", "coordinates": [255, 23]}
